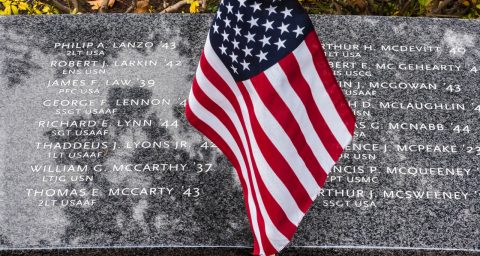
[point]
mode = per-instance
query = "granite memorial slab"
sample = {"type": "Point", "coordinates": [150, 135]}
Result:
{"type": "Point", "coordinates": [95, 151]}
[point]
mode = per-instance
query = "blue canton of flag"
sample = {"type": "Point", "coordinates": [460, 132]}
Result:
{"type": "Point", "coordinates": [251, 36]}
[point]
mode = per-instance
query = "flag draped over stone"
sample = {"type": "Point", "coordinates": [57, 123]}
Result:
{"type": "Point", "coordinates": [266, 96]}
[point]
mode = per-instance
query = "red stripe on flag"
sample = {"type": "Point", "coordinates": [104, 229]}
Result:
{"type": "Point", "coordinates": [216, 110]}
{"type": "Point", "coordinates": [274, 103]}
{"type": "Point", "coordinates": [223, 87]}
{"type": "Point", "coordinates": [283, 171]}
{"type": "Point", "coordinates": [223, 146]}
{"type": "Point", "coordinates": [292, 70]}
{"type": "Point", "coordinates": [329, 81]}
{"type": "Point", "coordinates": [281, 167]}
{"type": "Point", "coordinates": [278, 163]}
{"type": "Point", "coordinates": [280, 223]}
{"type": "Point", "coordinates": [274, 211]}
{"type": "Point", "coordinates": [295, 187]}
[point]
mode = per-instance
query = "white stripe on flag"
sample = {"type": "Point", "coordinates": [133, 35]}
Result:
{"type": "Point", "coordinates": [215, 95]}
{"type": "Point", "coordinates": [278, 240]}
{"type": "Point", "coordinates": [280, 83]}
{"type": "Point", "coordinates": [322, 98]}
{"type": "Point", "coordinates": [280, 139]}
{"type": "Point", "coordinates": [274, 185]}
{"type": "Point", "coordinates": [215, 62]}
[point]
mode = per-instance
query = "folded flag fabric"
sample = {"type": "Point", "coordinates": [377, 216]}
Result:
{"type": "Point", "coordinates": [265, 95]}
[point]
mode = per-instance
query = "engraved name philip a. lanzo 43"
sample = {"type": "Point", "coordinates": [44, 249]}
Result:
{"type": "Point", "coordinates": [96, 150]}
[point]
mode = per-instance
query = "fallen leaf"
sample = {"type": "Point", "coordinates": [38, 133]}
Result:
{"type": "Point", "coordinates": [194, 7]}
{"type": "Point", "coordinates": [96, 4]}
{"type": "Point", "coordinates": [14, 10]}
{"type": "Point", "coordinates": [23, 6]}
{"type": "Point", "coordinates": [142, 6]}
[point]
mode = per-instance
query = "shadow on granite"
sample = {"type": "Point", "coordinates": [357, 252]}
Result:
{"type": "Point", "coordinates": [232, 252]}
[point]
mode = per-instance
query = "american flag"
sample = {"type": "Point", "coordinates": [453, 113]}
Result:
{"type": "Point", "coordinates": [265, 95]}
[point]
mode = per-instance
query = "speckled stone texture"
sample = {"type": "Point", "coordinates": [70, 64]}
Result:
{"type": "Point", "coordinates": [235, 252]}
{"type": "Point", "coordinates": [217, 217]}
